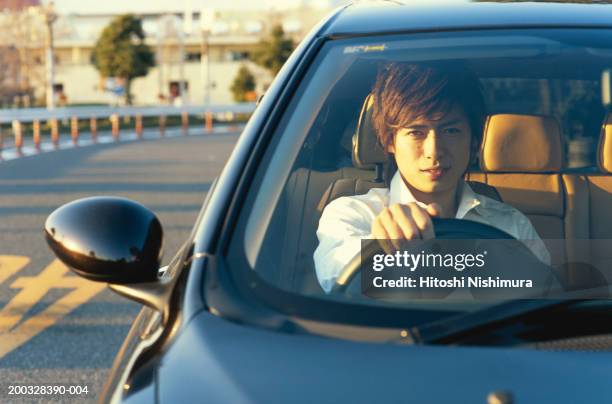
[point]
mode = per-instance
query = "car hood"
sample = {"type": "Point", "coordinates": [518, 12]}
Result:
{"type": "Point", "coordinates": [214, 360]}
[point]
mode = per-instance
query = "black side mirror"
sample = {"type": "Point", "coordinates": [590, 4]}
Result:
{"type": "Point", "coordinates": [107, 239]}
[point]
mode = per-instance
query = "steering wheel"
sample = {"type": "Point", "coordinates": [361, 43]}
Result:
{"type": "Point", "coordinates": [443, 229]}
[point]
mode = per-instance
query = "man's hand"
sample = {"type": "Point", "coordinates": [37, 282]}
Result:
{"type": "Point", "coordinates": [404, 222]}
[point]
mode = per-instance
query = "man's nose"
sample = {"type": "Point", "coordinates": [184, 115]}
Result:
{"type": "Point", "coordinates": [433, 148]}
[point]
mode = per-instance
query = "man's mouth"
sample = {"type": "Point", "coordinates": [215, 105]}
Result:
{"type": "Point", "coordinates": [435, 173]}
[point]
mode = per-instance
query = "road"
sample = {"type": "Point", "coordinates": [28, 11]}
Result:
{"type": "Point", "coordinates": [56, 329]}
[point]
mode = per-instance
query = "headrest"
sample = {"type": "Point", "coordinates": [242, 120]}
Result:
{"type": "Point", "coordinates": [367, 151]}
{"type": "Point", "coordinates": [604, 150]}
{"type": "Point", "coordinates": [526, 143]}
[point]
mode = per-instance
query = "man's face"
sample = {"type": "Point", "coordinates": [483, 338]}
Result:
{"type": "Point", "coordinates": [433, 153]}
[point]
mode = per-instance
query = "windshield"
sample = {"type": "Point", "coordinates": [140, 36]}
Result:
{"type": "Point", "coordinates": [495, 135]}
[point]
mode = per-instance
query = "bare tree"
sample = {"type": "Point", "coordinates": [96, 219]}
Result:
{"type": "Point", "coordinates": [21, 67]}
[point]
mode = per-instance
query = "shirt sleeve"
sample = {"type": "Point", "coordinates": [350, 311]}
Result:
{"type": "Point", "coordinates": [343, 224]}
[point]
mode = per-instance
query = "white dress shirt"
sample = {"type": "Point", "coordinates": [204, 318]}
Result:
{"type": "Point", "coordinates": [348, 220]}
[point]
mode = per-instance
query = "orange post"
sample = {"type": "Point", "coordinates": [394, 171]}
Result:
{"type": "Point", "coordinates": [208, 118]}
{"type": "Point", "coordinates": [162, 125]}
{"type": "Point", "coordinates": [74, 130]}
{"type": "Point", "coordinates": [18, 133]}
{"type": "Point", "coordinates": [185, 123]}
{"type": "Point", "coordinates": [93, 128]}
{"type": "Point", "coordinates": [36, 134]}
{"type": "Point", "coordinates": [114, 118]}
{"type": "Point", "coordinates": [54, 132]}
{"type": "Point", "coordinates": [139, 126]}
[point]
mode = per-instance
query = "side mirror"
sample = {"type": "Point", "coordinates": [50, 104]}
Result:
{"type": "Point", "coordinates": [107, 239]}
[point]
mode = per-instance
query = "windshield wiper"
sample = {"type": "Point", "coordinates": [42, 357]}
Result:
{"type": "Point", "coordinates": [447, 328]}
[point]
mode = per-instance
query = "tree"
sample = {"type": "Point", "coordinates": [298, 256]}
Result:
{"type": "Point", "coordinates": [273, 51]}
{"type": "Point", "coordinates": [120, 52]}
{"type": "Point", "coordinates": [243, 85]}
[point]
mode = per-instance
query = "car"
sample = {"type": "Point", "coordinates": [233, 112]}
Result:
{"type": "Point", "coordinates": [239, 314]}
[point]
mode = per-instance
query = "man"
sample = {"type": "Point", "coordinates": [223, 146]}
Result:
{"type": "Point", "coordinates": [430, 119]}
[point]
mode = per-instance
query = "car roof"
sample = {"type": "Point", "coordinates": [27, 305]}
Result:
{"type": "Point", "coordinates": [372, 17]}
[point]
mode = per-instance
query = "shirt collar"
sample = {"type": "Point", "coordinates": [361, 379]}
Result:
{"type": "Point", "coordinates": [399, 193]}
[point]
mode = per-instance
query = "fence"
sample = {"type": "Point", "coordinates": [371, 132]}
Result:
{"type": "Point", "coordinates": [20, 119]}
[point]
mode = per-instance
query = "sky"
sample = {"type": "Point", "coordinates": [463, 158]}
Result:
{"type": "Point", "coordinates": [135, 6]}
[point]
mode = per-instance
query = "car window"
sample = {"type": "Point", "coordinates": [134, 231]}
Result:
{"type": "Point", "coordinates": [545, 81]}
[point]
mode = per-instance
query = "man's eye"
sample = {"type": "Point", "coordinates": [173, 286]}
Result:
{"type": "Point", "coordinates": [416, 133]}
{"type": "Point", "coordinates": [452, 131]}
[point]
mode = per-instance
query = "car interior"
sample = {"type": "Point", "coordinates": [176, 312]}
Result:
{"type": "Point", "coordinates": [523, 162]}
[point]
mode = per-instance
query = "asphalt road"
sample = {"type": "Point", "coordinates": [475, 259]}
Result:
{"type": "Point", "coordinates": [56, 329]}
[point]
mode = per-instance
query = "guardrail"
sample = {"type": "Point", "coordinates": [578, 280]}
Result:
{"type": "Point", "coordinates": [17, 118]}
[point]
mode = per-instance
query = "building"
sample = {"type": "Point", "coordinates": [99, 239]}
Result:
{"type": "Point", "coordinates": [229, 35]}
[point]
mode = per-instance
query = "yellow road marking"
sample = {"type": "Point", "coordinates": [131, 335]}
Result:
{"type": "Point", "coordinates": [10, 265]}
{"type": "Point", "coordinates": [33, 289]}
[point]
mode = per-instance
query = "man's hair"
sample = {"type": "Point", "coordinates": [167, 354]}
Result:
{"type": "Point", "coordinates": [404, 92]}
